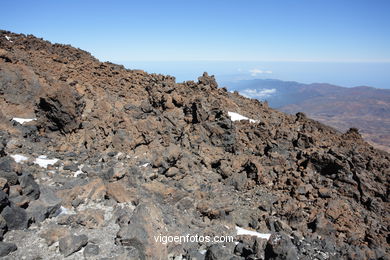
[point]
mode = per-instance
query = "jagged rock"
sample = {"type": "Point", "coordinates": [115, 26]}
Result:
{"type": "Point", "coordinates": [3, 227]}
{"type": "Point", "coordinates": [4, 202]}
{"type": "Point", "coordinates": [90, 218]}
{"type": "Point", "coordinates": [47, 206]}
{"type": "Point", "coordinates": [217, 252]}
{"type": "Point", "coordinates": [61, 110]}
{"type": "Point", "coordinates": [4, 185]}
{"type": "Point", "coordinates": [29, 187]}
{"type": "Point", "coordinates": [11, 177]}
{"type": "Point", "coordinates": [95, 190]}
{"type": "Point", "coordinates": [15, 217]}
{"type": "Point", "coordinates": [6, 248]}
{"type": "Point", "coordinates": [280, 247]}
{"type": "Point", "coordinates": [54, 233]}
{"type": "Point", "coordinates": [118, 192]}
{"type": "Point", "coordinates": [7, 164]}
{"type": "Point", "coordinates": [71, 244]}
{"type": "Point", "coordinates": [145, 223]}
{"type": "Point", "coordinates": [195, 255]}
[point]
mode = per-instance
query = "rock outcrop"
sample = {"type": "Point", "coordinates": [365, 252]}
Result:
{"type": "Point", "coordinates": [116, 158]}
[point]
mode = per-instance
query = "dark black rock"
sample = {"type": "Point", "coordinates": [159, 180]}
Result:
{"type": "Point", "coordinates": [195, 255]}
{"type": "Point", "coordinates": [61, 110]}
{"type": "Point", "coordinates": [111, 154]}
{"type": "Point", "coordinates": [11, 177]}
{"type": "Point", "coordinates": [15, 217]}
{"type": "Point", "coordinates": [71, 154]}
{"type": "Point", "coordinates": [280, 247]}
{"type": "Point", "coordinates": [217, 252]}
{"type": "Point", "coordinates": [72, 167]}
{"type": "Point", "coordinates": [7, 164]}
{"type": "Point", "coordinates": [4, 202]}
{"type": "Point", "coordinates": [6, 248]}
{"type": "Point", "coordinates": [29, 187]}
{"type": "Point", "coordinates": [3, 227]}
{"type": "Point", "coordinates": [46, 206]}
{"type": "Point", "coordinates": [70, 244]}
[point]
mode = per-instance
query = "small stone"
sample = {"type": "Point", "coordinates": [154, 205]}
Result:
{"type": "Point", "coordinates": [71, 167]}
{"type": "Point", "coordinates": [324, 193]}
{"type": "Point", "coordinates": [6, 248]}
{"type": "Point", "coordinates": [91, 250]}
{"type": "Point", "coordinates": [119, 172]}
{"type": "Point", "coordinates": [172, 172]}
{"type": "Point", "coordinates": [90, 218]}
{"type": "Point", "coordinates": [72, 243]}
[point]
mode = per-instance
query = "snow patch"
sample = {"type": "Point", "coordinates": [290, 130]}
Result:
{"type": "Point", "coordinates": [64, 211]}
{"type": "Point", "coordinates": [23, 120]}
{"type": "Point", "coordinates": [19, 158]}
{"type": "Point", "coordinates": [8, 38]}
{"type": "Point", "coordinates": [237, 117]}
{"type": "Point", "coordinates": [145, 165]}
{"type": "Point", "coordinates": [242, 231]}
{"type": "Point", "coordinates": [79, 171]}
{"type": "Point", "coordinates": [202, 252]}
{"type": "Point", "coordinates": [44, 162]}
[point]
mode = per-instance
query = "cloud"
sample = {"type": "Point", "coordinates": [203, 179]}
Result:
{"type": "Point", "coordinates": [255, 72]}
{"type": "Point", "coordinates": [258, 93]}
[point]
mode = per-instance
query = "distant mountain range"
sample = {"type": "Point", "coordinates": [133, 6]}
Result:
{"type": "Point", "coordinates": [365, 108]}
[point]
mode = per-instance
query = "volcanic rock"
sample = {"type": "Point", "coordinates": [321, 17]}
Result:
{"type": "Point", "coordinates": [140, 155]}
{"type": "Point", "coordinates": [72, 243]}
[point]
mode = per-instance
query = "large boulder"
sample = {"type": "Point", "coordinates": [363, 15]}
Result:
{"type": "Point", "coordinates": [60, 110]}
{"type": "Point", "coordinates": [144, 226]}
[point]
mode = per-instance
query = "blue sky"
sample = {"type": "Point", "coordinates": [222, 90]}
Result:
{"type": "Point", "coordinates": [186, 30]}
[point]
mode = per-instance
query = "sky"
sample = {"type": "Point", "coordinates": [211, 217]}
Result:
{"type": "Point", "coordinates": [342, 31]}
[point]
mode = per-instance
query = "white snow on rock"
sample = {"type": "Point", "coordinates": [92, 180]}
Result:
{"type": "Point", "coordinates": [202, 252]}
{"type": "Point", "coordinates": [64, 211]}
{"type": "Point", "coordinates": [79, 171]}
{"type": "Point", "coordinates": [44, 162]}
{"type": "Point", "coordinates": [8, 38]}
{"type": "Point", "coordinates": [19, 158]}
{"type": "Point", "coordinates": [237, 117]}
{"type": "Point", "coordinates": [145, 165]}
{"type": "Point", "coordinates": [242, 231]}
{"type": "Point", "coordinates": [23, 120]}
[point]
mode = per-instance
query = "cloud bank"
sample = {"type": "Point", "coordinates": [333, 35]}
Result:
{"type": "Point", "coordinates": [258, 93]}
{"type": "Point", "coordinates": [256, 72]}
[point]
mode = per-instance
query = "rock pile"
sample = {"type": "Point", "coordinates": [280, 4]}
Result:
{"type": "Point", "coordinates": [129, 156]}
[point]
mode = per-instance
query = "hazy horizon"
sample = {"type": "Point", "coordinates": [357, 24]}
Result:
{"type": "Point", "coordinates": [345, 74]}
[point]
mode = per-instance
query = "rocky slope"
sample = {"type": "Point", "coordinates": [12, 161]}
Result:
{"type": "Point", "coordinates": [116, 157]}
{"type": "Point", "coordinates": [365, 108]}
